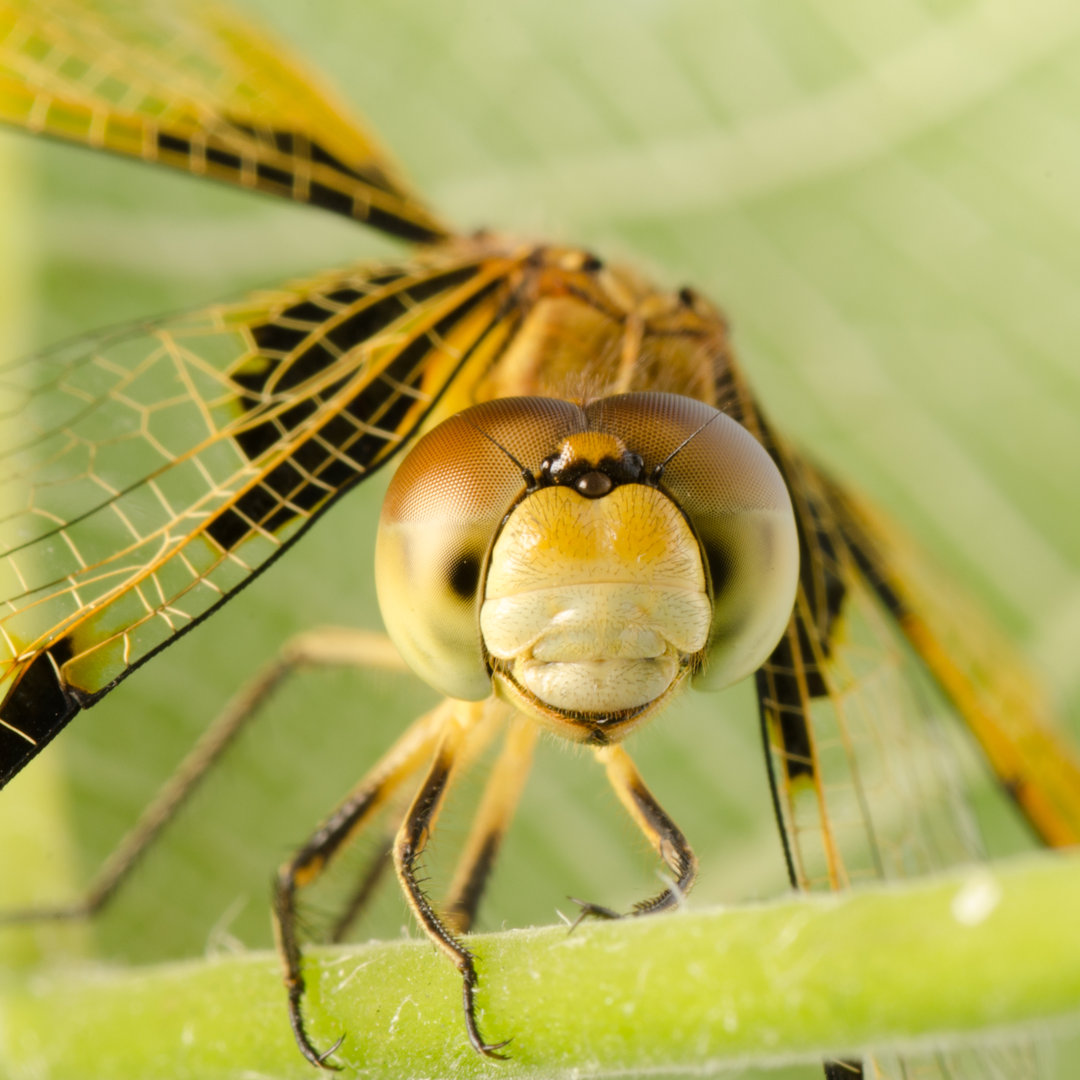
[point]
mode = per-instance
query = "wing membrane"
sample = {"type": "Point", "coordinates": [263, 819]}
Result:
{"type": "Point", "coordinates": [866, 772]}
{"type": "Point", "coordinates": [1003, 706]}
{"type": "Point", "coordinates": [146, 475]}
{"type": "Point", "coordinates": [192, 86]}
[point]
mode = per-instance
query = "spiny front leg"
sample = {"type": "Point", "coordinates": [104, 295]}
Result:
{"type": "Point", "coordinates": [411, 840]}
{"type": "Point", "coordinates": [664, 835]}
{"type": "Point", "coordinates": [403, 759]}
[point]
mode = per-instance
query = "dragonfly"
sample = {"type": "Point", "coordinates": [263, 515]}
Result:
{"type": "Point", "coordinates": [152, 471]}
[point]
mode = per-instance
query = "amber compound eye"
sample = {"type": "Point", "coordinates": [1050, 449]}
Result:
{"type": "Point", "coordinates": [440, 516]}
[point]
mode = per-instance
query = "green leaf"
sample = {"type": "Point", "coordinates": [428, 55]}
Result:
{"type": "Point", "coordinates": [923, 965]}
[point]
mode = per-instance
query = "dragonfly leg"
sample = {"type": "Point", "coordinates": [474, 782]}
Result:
{"type": "Point", "coordinates": [492, 819]}
{"type": "Point", "coordinates": [409, 845]}
{"type": "Point", "coordinates": [364, 891]}
{"type": "Point", "coordinates": [400, 762]}
{"type": "Point", "coordinates": [664, 835]}
{"type": "Point", "coordinates": [326, 647]}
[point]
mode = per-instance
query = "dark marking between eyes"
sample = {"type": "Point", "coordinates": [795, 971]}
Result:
{"type": "Point", "coordinates": [593, 484]}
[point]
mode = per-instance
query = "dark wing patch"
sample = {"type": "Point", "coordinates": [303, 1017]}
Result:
{"type": "Point", "coordinates": [146, 475]}
{"type": "Point", "coordinates": [194, 87]}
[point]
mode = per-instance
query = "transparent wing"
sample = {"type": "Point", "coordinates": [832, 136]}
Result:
{"type": "Point", "coordinates": [865, 757]}
{"type": "Point", "coordinates": [147, 474]}
{"type": "Point", "coordinates": [1002, 705]}
{"type": "Point", "coordinates": [188, 84]}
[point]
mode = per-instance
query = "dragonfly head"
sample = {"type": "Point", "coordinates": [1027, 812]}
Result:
{"type": "Point", "coordinates": [585, 561]}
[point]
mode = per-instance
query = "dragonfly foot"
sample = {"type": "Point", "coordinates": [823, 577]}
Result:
{"type": "Point", "coordinates": [320, 1061]}
{"type": "Point", "coordinates": [489, 1050]}
{"type": "Point", "coordinates": [590, 910]}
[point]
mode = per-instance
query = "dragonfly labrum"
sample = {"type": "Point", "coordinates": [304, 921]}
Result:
{"type": "Point", "coordinates": [591, 512]}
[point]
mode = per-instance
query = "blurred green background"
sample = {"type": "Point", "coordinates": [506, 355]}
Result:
{"type": "Point", "coordinates": [884, 198]}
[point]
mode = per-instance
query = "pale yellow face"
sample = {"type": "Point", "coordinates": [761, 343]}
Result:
{"type": "Point", "coordinates": [583, 562]}
{"type": "Point", "coordinates": [594, 605]}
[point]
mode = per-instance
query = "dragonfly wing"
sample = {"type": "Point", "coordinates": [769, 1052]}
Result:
{"type": "Point", "coordinates": [191, 85]}
{"type": "Point", "coordinates": [867, 769]}
{"type": "Point", "coordinates": [854, 728]}
{"type": "Point", "coordinates": [148, 473]}
{"type": "Point", "coordinates": [1001, 1063]}
{"type": "Point", "coordinates": [1001, 704]}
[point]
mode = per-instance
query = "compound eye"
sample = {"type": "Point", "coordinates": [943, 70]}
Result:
{"type": "Point", "coordinates": [440, 515]}
{"type": "Point", "coordinates": [736, 501]}
{"type": "Point", "coordinates": [735, 498]}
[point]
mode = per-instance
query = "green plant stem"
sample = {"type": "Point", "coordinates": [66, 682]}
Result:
{"type": "Point", "coordinates": [931, 962]}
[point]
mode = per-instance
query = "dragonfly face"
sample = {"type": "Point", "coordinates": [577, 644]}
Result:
{"type": "Point", "coordinates": [588, 558]}
{"type": "Point", "coordinates": [150, 473]}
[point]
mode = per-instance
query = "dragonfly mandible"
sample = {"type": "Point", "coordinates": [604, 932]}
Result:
{"type": "Point", "coordinates": [174, 462]}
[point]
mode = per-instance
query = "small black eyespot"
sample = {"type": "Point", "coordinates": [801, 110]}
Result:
{"type": "Point", "coordinates": [465, 575]}
{"type": "Point", "coordinates": [591, 264]}
{"type": "Point", "coordinates": [687, 296]}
